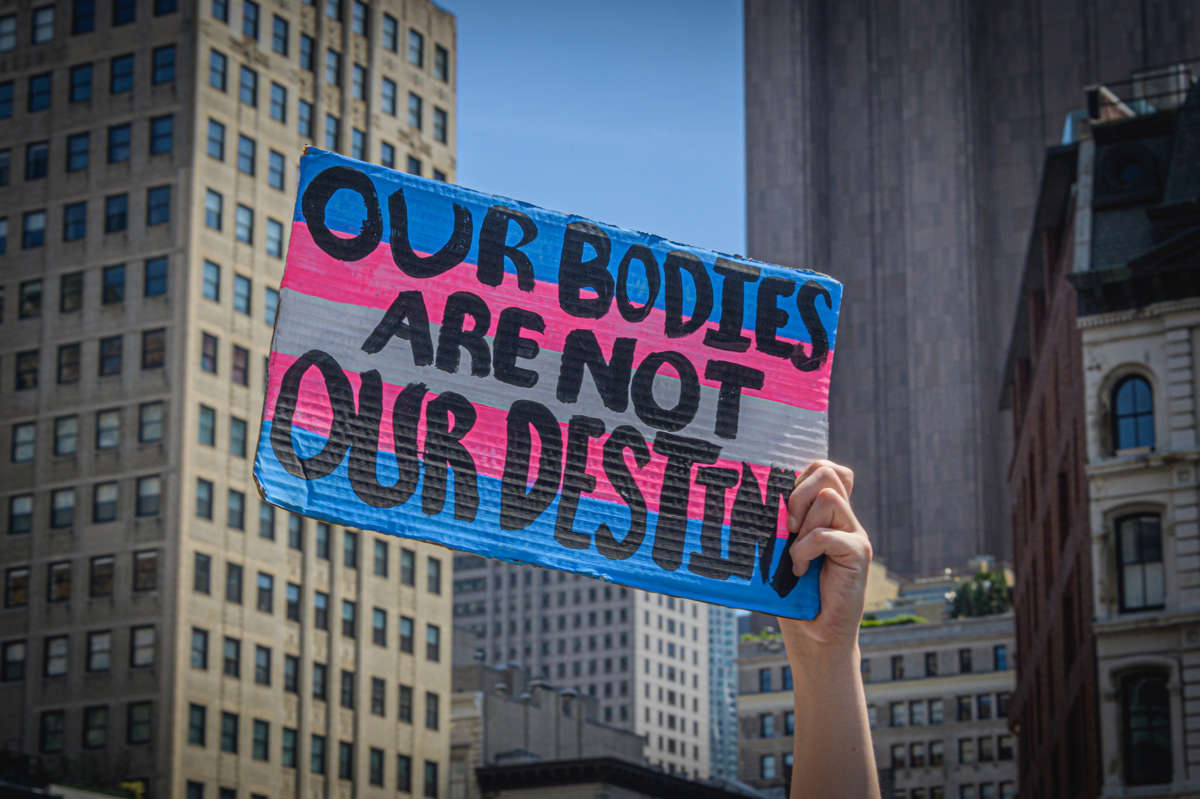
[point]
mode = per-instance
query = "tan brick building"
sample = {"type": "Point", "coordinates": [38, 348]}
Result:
{"type": "Point", "coordinates": [159, 622]}
{"type": "Point", "coordinates": [937, 695]}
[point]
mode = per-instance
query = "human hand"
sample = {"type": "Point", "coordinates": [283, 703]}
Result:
{"type": "Point", "coordinates": [819, 514]}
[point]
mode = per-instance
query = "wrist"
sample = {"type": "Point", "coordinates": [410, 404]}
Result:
{"type": "Point", "coordinates": [806, 653]}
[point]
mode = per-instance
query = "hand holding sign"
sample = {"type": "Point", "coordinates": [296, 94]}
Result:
{"type": "Point", "coordinates": [526, 385]}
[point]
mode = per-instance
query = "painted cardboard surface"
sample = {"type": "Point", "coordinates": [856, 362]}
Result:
{"type": "Point", "coordinates": [528, 385]}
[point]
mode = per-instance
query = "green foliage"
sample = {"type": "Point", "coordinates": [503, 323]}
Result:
{"type": "Point", "coordinates": [985, 594]}
{"type": "Point", "coordinates": [894, 621]}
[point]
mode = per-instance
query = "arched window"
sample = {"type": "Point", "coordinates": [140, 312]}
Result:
{"type": "Point", "coordinates": [1140, 562]}
{"type": "Point", "coordinates": [1132, 414]}
{"type": "Point", "coordinates": [1146, 728]}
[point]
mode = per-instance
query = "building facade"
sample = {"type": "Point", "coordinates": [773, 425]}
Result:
{"type": "Point", "coordinates": [897, 147]}
{"type": "Point", "coordinates": [937, 698]}
{"type": "Point", "coordinates": [1139, 319]}
{"type": "Point", "coordinates": [160, 623]}
{"type": "Point", "coordinates": [1055, 703]}
{"type": "Point", "coordinates": [643, 656]}
{"type": "Point", "coordinates": [722, 691]}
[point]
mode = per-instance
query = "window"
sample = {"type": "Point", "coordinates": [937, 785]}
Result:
{"type": "Point", "coordinates": [405, 703]}
{"type": "Point", "coordinates": [217, 69]}
{"type": "Point", "coordinates": [347, 692]}
{"type": "Point", "coordinates": [350, 550]}
{"type": "Point", "coordinates": [333, 9]}
{"type": "Point", "coordinates": [358, 82]}
{"type": "Point", "coordinates": [13, 667]}
{"type": "Point", "coordinates": [321, 610]}
{"type": "Point", "coordinates": [208, 353]}
{"type": "Point", "coordinates": [16, 587]}
{"type": "Point", "coordinates": [291, 674]}
{"type": "Point", "coordinates": [161, 134]}
{"type": "Point", "coordinates": [323, 540]}
{"type": "Point", "coordinates": [233, 583]}
{"type": "Point", "coordinates": [408, 560]}
{"type": "Point", "coordinates": [349, 619]}
{"type": "Point", "coordinates": [232, 657]}
{"type": "Point", "coordinates": [220, 10]}
{"type": "Point", "coordinates": [966, 750]}
{"type": "Point", "coordinates": [279, 35]}
{"type": "Point", "coordinates": [37, 160]}
{"type": "Point", "coordinates": [964, 708]}
{"type": "Point", "coordinates": [431, 710]}
{"type": "Point", "coordinates": [58, 577]}
{"type": "Point", "coordinates": [123, 12]}
{"type": "Point", "coordinates": [936, 711]}
{"type": "Point", "coordinates": [358, 144]}
{"type": "Point", "coordinates": [440, 125]}
{"type": "Point", "coordinates": [197, 721]}
{"type": "Point", "coordinates": [104, 509]}
{"type": "Point", "coordinates": [237, 447]}
{"type": "Point", "coordinates": [33, 232]}
{"type": "Point", "coordinates": [229, 731]}
{"type": "Point", "coordinates": [163, 65]}
{"type": "Point", "coordinates": [149, 495]}
{"type": "Point", "coordinates": [434, 576]}
{"type": "Point", "coordinates": [387, 155]}
{"type": "Point", "coordinates": [95, 727]}
{"type": "Point", "coordinates": [288, 748]}
{"type": "Point", "coordinates": [211, 281]}
{"type": "Point", "coordinates": [897, 715]}
{"type": "Point", "coordinates": [202, 573]}
{"type": "Point", "coordinates": [240, 370]}
{"type": "Point", "coordinates": [248, 87]}
{"type": "Point", "coordinates": [1146, 729]}
{"type": "Point", "coordinates": [414, 111]}
{"type": "Point", "coordinates": [29, 305]}
{"type": "Point", "coordinates": [381, 557]}
{"type": "Point", "coordinates": [66, 435]}
{"type": "Point", "coordinates": [278, 104]}
{"type": "Point", "coordinates": [77, 152]}
{"type": "Point", "coordinates": [241, 294]}
{"type": "Point", "coordinates": [6, 168]}
{"type": "Point", "coordinates": [316, 755]}
{"type": "Point", "coordinates": [983, 706]}
{"type": "Point", "coordinates": [897, 667]}
{"type": "Point", "coordinates": [1002, 700]}
{"type": "Point", "coordinates": [274, 238]}
{"type": "Point", "coordinates": [964, 661]}
{"type": "Point", "coordinates": [260, 742]}
{"type": "Point", "coordinates": [375, 759]}
{"type": "Point", "coordinates": [53, 731]}
{"type": "Point", "coordinates": [1132, 414]}
{"type": "Point", "coordinates": [250, 19]}
{"type": "Point", "coordinates": [8, 33]}
{"type": "Point", "coordinates": [110, 356]}
{"type": "Point", "coordinates": [81, 83]}
{"type": "Point", "coordinates": [1140, 569]}
{"type": "Point", "coordinates": [24, 442]}
{"type": "Point", "coordinates": [262, 664]}
{"type": "Point", "coordinates": [432, 642]}
{"type": "Point", "coordinates": [245, 156]}
{"type": "Point", "coordinates": [6, 99]}
{"type": "Point", "coordinates": [39, 92]}
{"type": "Point", "coordinates": [163, 7]}
{"type": "Point", "coordinates": [235, 515]}
{"type": "Point", "coordinates": [332, 133]}
{"type": "Point", "coordinates": [158, 205]}
{"type": "Point", "coordinates": [333, 67]}
{"type": "Point", "coordinates": [307, 47]}
{"type": "Point", "coordinates": [416, 49]}
{"type": "Point", "coordinates": [1000, 657]}
{"type": "Point", "coordinates": [358, 19]}
{"type": "Point", "coordinates": [99, 651]}
{"type": "Point", "coordinates": [319, 687]}
{"type": "Point", "coordinates": [74, 221]}
{"type": "Point", "coordinates": [113, 284]}
{"type": "Point", "coordinates": [116, 218]}
{"type": "Point", "coordinates": [766, 726]}
{"type": "Point", "coordinates": [764, 680]}
{"type": "Point", "coordinates": [304, 118]}
{"type": "Point", "coordinates": [406, 634]}
{"type": "Point", "coordinates": [379, 627]}
{"type": "Point", "coordinates": [120, 74]}
{"type": "Point", "coordinates": [119, 143]}
{"type": "Point", "coordinates": [68, 364]}
{"type": "Point", "coordinates": [295, 532]}
{"type": "Point", "coordinates": [270, 305]}
{"type": "Point", "coordinates": [213, 210]}
{"type": "Point", "coordinates": [26, 370]}
{"type": "Point", "coordinates": [266, 593]}
{"type": "Point", "coordinates": [199, 648]}
{"type": "Point", "coordinates": [390, 32]}
{"type": "Point", "coordinates": [441, 63]}
{"type": "Point", "coordinates": [292, 602]}
{"type": "Point", "coordinates": [141, 647]}
{"type": "Point", "coordinates": [83, 18]}
{"type": "Point", "coordinates": [899, 754]}
{"type": "Point", "coordinates": [244, 224]}
{"type": "Point", "coordinates": [275, 171]}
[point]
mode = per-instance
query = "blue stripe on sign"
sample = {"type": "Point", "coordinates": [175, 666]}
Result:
{"type": "Point", "coordinates": [430, 210]}
{"type": "Point", "coordinates": [331, 499]}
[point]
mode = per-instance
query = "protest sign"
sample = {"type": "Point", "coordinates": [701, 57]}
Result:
{"type": "Point", "coordinates": [528, 385]}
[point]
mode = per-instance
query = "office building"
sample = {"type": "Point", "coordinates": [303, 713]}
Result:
{"type": "Point", "coordinates": [937, 699]}
{"type": "Point", "coordinates": [161, 625]}
{"type": "Point", "coordinates": [643, 656]}
{"type": "Point", "coordinates": [722, 690]}
{"type": "Point", "coordinates": [897, 147]}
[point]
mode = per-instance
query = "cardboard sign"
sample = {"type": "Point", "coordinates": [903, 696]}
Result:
{"type": "Point", "coordinates": [532, 386]}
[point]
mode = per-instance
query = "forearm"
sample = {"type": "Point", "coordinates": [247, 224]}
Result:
{"type": "Point", "coordinates": [833, 752]}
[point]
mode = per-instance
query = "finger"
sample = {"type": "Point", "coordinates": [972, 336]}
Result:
{"type": "Point", "coordinates": [829, 511]}
{"type": "Point", "coordinates": [849, 548]}
{"type": "Point", "coordinates": [816, 478]}
{"type": "Point", "coordinates": [844, 473]}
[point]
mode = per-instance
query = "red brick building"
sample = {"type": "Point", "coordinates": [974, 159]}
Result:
{"type": "Point", "coordinates": [1053, 710]}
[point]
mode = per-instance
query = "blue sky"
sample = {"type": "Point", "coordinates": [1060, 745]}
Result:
{"type": "Point", "coordinates": [626, 112]}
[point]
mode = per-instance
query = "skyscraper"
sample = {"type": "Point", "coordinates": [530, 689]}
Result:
{"type": "Point", "coordinates": [722, 691]}
{"type": "Point", "coordinates": [643, 655]}
{"type": "Point", "coordinates": [160, 623]}
{"type": "Point", "coordinates": [897, 147]}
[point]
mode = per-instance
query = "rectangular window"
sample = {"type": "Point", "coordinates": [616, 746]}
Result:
{"type": "Point", "coordinates": [154, 277]}
{"type": "Point", "coordinates": [95, 727]}
{"type": "Point", "coordinates": [441, 63]}
{"type": "Point", "coordinates": [29, 304]}
{"type": "Point", "coordinates": [52, 731]}
{"type": "Point", "coordinates": [78, 149]}
{"type": "Point", "coordinates": [316, 755]}
{"type": "Point", "coordinates": [149, 495]}
{"type": "Point", "coordinates": [208, 353]}
{"type": "Point", "coordinates": [295, 532]}
{"type": "Point", "coordinates": [231, 656]}
{"type": "Point", "coordinates": [250, 19]}
{"type": "Point", "coordinates": [235, 516]}
{"type": "Point", "coordinates": [279, 35]}
{"type": "Point", "coordinates": [229, 732]}
{"type": "Point", "coordinates": [292, 600]}
{"type": "Point", "coordinates": [6, 99]}
{"type": "Point", "coordinates": [245, 155]}
{"type": "Point", "coordinates": [288, 748]}
{"type": "Point", "coordinates": [390, 32]}
{"type": "Point", "coordinates": [33, 229]}
{"type": "Point", "coordinates": [26, 370]}
{"type": "Point", "coordinates": [431, 779]}
{"type": "Point", "coordinates": [199, 657]}
{"type": "Point", "coordinates": [319, 686]}
{"type": "Point", "coordinates": [237, 447]}
{"type": "Point", "coordinates": [104, 506]}
{"type": "Point", "coordinates": [162, 134]}
{"type": "Point", "coordinates": [304, 118]}
{"type": "Point", "coordinates": [120, 74]}
{"type": "Point", "coordinates": [278, 103]}
{"type": "Point", "coordinates": [37, 160]}
{"type": "Point", "coordinates": [345, 760]}
{"type": "Point", "coordinates": [40, 92]}
{"type": "Point", "coordinates": [379, 627]}
{"type": "Point", "coordinates": [266, 593]}
{"type": "Point", "coordinates": [388, 96]}
{"type": "Point", "coordinates": [381, 558]}
{"type": "Point", "coordinates": [66, 436]}
{"type": "Point", "coordinates": [270, 305]}
{"type": "Point", "coordinates": [99, 651]}
{"type": "Point", "coordinates": [416, 49]}
{"type": "Point", "coordinates": [233, 583]}
{"type": "Point", "coordinates": [964, 661]}
{"type": "Point", "coordinates": [207, 426]}
{"type": "Point", "coordinates": [13, 667]}
{"type": "Point", "coordinates": [434, 576]}
{"type": "Point", "coordinates": [414, 166]}
{"type": "Point", "coordinates": [275, 162]}
{"type": "Point", "coordinates": [243, 229]}
{"type": "Point", "coordinates": [6, 166]}
{"type": "Point", "coordinates": [197, 721]}
{"type": "Point", "coordinates": [347, 692]}
{"type": "Point", "coordinates": [358, 18]}
{"type": "Point", "coordinates": [332, 133]}
{"type": "Point", "coordinates": [414, 111]}
{"type": "Point", "coordinates": [440, 125]}
{"type": "Point", "coordinates": [358, 144]}
{"type": "Point", "coordinates": [408, 560]}
{"type": "Point", "coordinates": [119, 146]}
{"type": "Point", "coordinates": [150, 422]}
{"type": "Point", "coordinates": [158, 205]}
{"type": "Point", "coordinates": [123, 12]}
{"type": "Point", "coordinates": [349, 619]}
{"type": "Point", "coordinates": [323, 531]}
{"type": "Point", "coordinates": [307, 45]}
{"type": "Point", "coordinates": [433, 645]}
{"type": "Point", "coordinates": [1000, 657]}
{"type": "Point", "coordinates": [350, 550]}
{"type": "Point", "coordinates": [248, 87]}
{"type": "Point", "coordinates": [24, 442]}
{"type": "Point", "coordinates": [220, 10]}
{"type": "Point", "coordinates": [321, 610]}
{"type": "Point", "coordinates": [141, 647]}
{"type": "Point", "coordinates": [204, 498]}
{"type": "Point", "coordinates": [405, 703]}
{"type": "Point", "coordinates": [83, 18]}
{"type": "Point", "coordinates": [274, 238]}
{"type": "Point", "coordinates": [262, 665]}
{"type": "Point", "coordinates": [202, 573]}
{"type": "Point", "coordinates": [241, 294]}
{"type": "Point", "coordinates": [81, 83]}
{"type": "Point", "coordinates": [58, 577]}
{"type": "Point", "coordinates": [240, 369]}
{"type": "Point", "coordinates": [163, 65]}
{"type": "Point", "coordinates": [261, 740]}
{"type": "Point", "coordinates": [43, 24]}
{"type": "Point", "coordinates": [217, 69]}
{"type": "Point", "coordinates": [16, 587]}
{"type": "Point", "coordinates": [406, 634]}
{"type": "Point", "coordinates": [291, 674]}
{"type": "Point", "coordinates": [333, 67]}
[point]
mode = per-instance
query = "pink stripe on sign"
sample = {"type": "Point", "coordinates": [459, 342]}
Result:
{"type": "Point", "coordinates": [375, 281]}
{"type": "Point", "coordinates": [486, 440]}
